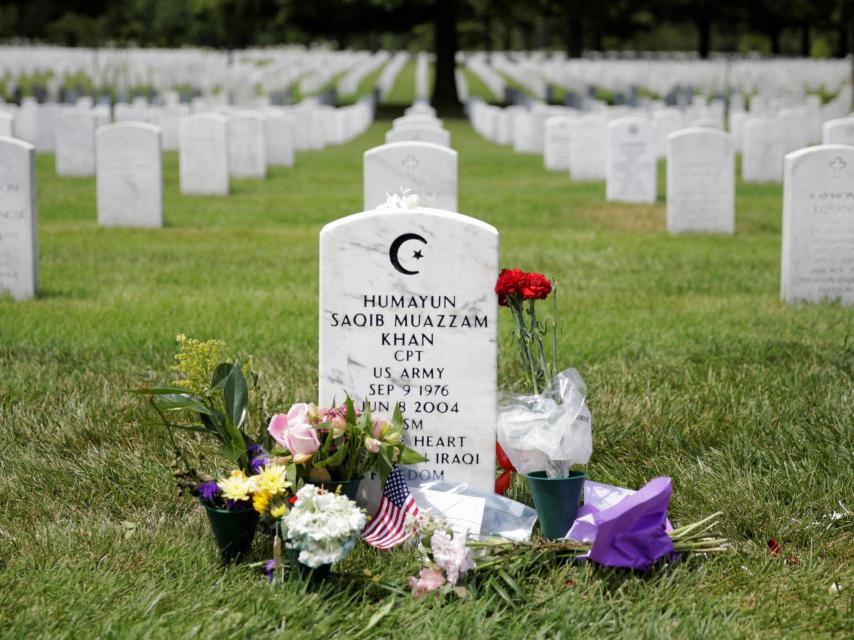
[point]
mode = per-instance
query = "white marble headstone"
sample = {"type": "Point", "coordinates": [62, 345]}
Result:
{"type": "Point", "coordinates": [701, 182]}
{"type": "Point", "coordinates": [279, 134]}
{"type": "Point", "coordinates": [408, 314]}
{"type": "Point", "coordinates": [7, 124]}
{"type": "Point", "coordinates": [763, 148]}
{"type": "Point", "coordinates": [839, 131]}
{"type": "Point", "coordinates": [18, 226]}
{"type": "Point", "coordinates": [75, 143]}
{"type": "Point", "coordinates": [203, 154]}
{"type": "Point", "coordinates": [129, 175]}
{"type": "Point", "coordinates": [818, 225]}
{"type": "Point", "coordinates": [587, 154]}
{"type": "Point", "coordinates": [558, 143]}
{"type": "Point", "coordinates": [168, 119]}
{"type": "Point", "coordinates": [664, 122]}
{"type": "Point", "coordinates": [247, 153]}
{"type": "Point", "coordinates": [419, 133]}
{"type": "Point", "coordinates": [426, 169]}
{"type": "Point", "coordinates": [631, 161]}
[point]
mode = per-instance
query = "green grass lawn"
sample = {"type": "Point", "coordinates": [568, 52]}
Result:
{"type": "Point", "coordinates": [694, 370]}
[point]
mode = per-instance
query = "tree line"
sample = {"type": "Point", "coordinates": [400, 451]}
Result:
{"type": "Point", "coordinates": [792, 27]}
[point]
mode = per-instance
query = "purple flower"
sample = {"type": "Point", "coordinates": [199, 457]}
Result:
{"type": "Point", "coordinates": [258, 458]}
{"type": "Point", "coordinates": [270, 568]}
{"type": "Point", "coordinates": [208, 490]}
{"type": "Point", "coordinates": [238, 505]}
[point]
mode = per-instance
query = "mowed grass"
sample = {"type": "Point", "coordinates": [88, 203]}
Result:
{"type": "Point", "coordinates": [694, 370]}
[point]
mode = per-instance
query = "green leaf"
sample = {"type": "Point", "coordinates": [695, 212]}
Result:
{"type": "Point", "coordinates": [180, 402]}
{"type": "Point", "coordinates": [291, 475]}
{"type": "Point", "coordinates": [410, 456]}
{"type": "Point", "coordinates": [350, 411]}
{"type": "Point", "coordinates": [159, 391]}
{"type": "Point", "coordinates": [233, 445]}
{"type": "Point", "coordinates": [384, 464]}
{"type": "Point", "coordinates": [235, 394]}
{"type": "Point", "coordinates": [220, 374]}
{"type": "Point", "coordinates": [192, 427]}
{"type": "Point", "coordinates": [397, 417]}
{"type": "Point", "coordinates": [381, 613]}
{"type": "Point", "coordinates": [334, 460]}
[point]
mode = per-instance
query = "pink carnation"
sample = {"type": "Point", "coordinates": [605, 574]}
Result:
{"type": "Point", "coordinates": [429, 580]}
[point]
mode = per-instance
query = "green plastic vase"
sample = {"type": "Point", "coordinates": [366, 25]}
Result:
{"type": "Point", "coordinates": [233, 530]}
{"type": "Point", "coordinates": [304, 572]}
{"type": "Point", "coordinates": [556, 501]}
{"type": "Point", "coordinates": [349, 488]}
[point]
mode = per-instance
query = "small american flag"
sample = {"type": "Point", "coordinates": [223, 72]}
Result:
{"type": "Point", "coordinates": [387, 528]}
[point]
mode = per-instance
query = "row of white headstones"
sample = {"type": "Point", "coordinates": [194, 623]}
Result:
{"type": "Point", "coordinates": [126, 160]}
{"type": "Point", "coordinates": [818, 210]}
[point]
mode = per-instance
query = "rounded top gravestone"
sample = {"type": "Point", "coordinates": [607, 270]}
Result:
{"type": "Point", "coordinates": [701, 181]}
{"type": "Point", "coordinates": [426, 169]}
{"type": "Point", "coordinates": [818, 225]}
{"type": "Point", "coordinates": [408, 314]}
{"type": "Point", "coordinates": [129, 175]}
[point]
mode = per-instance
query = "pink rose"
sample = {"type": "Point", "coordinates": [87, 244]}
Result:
{"type": "Point", "coordinates": [429, 580]}
{"type": "Point", "coordinates": [294, 432]}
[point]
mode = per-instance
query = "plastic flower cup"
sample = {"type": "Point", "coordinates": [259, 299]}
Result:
{"type": "Point", "coordinates": [556, 501]}
{"type": "Point", "coordinates": [349, 488]}
{"type": "Point", "coordinates": [304, 572]}
{"type": "Point", "coordinates": [233, 530]}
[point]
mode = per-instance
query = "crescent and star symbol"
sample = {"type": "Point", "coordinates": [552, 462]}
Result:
{"type": "Point", "coordinates": [394, 252]}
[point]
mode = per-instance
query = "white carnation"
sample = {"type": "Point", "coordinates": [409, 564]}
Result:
{"type": "Point", "coordinates": [323, 526]}
{"type": "Point", "coordinates": [402, 200]}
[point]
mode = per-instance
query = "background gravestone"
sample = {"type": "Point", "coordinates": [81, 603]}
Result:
{"type": "Point", "coordinates": [129, 175]}
{"type": "Point", "coordinates": [763, 149]}
{"type": "Point", "coordinates": [631, 161]}
{"type": "Point", "coordinates": [203, 154]}
{"type": "Point", "coordinates": [701, 182]}
{"type": "Point", "coordinates": [587, 153]}
{"type": "Point", "coordinates": [557, 143]}
{"type": "Point", "coordinates": [429, 170]}
{"type": "Point", "coordinates": [247, 157]}
{"type": "Point", "coordinates": [419, 133]}
{"type": "Point", "coordinates": [818, 225]}
{"type": "Point", "coordinates": [18, 226]}
{"type": "Point", "coordinates": [279, 139]}
{"type": "Point", "coordinates": [839, 131]}
{"type": "Point", "coordinates": [75, 144]}
{"type": "Point", "coordinates": [408, 313]}
{"type": "Point", "coordinates": [7, 124]}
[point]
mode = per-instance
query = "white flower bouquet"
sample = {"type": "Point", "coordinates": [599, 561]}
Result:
{"type": "Point", "coordinates": [323, 526]}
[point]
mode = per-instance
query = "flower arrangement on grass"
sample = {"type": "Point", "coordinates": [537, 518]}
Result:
{"type": "Point", "coordinates": [550, 429]}
{"type": "Point", "coordinates": [339, 444]}
{"type": "Point", "coordinates": [446, 557]}
{"type": "Point", "coordinates": [323, 526]}
{"type": "Point", "coordinates": [268, 492]}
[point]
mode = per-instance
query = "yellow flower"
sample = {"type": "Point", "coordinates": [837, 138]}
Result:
{"type": "Point", "coordinates": [279, 511]}
{"type": "Point", "coordinates": [272, 479]}
{"type": "Point", "coordinates": [261, 500]}
{"type": "Point", "coordinates": [236, 486]}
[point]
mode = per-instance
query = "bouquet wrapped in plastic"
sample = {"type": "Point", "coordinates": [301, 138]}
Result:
{"type": "Point", "coordinates": [550, 431]}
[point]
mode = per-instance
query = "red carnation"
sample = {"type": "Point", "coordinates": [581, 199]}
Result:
{"type": "Point", "coordinates": [509, 284]}
{"type": "Point", "coordinates": [535, 286]}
